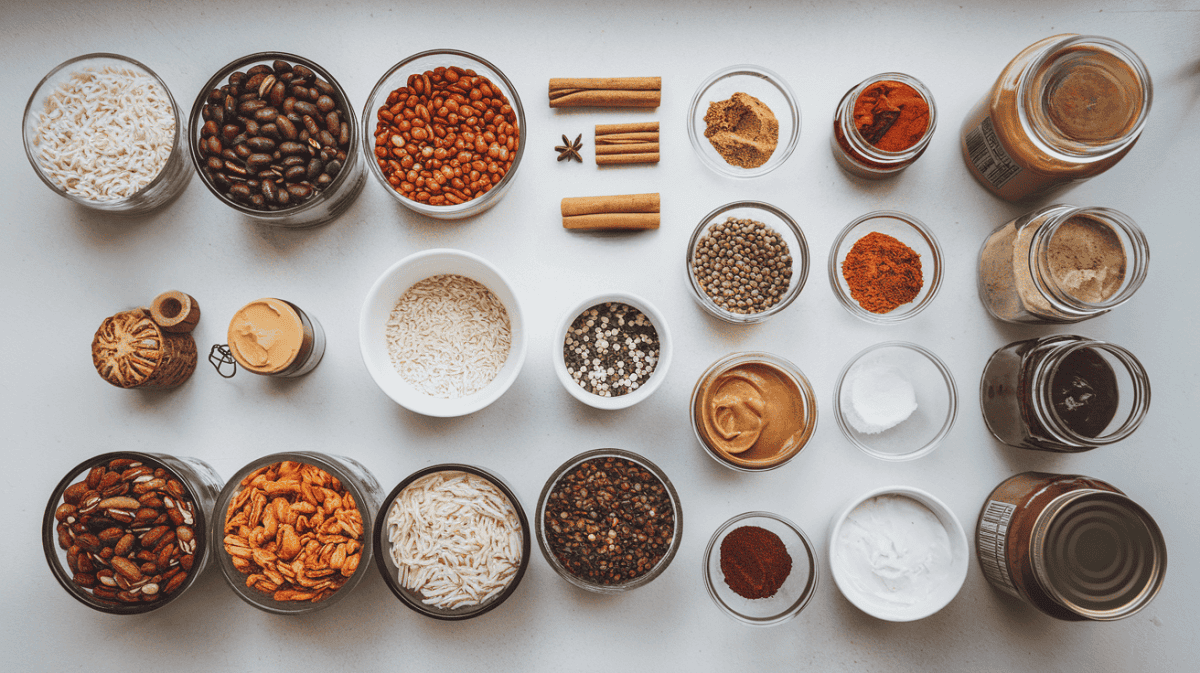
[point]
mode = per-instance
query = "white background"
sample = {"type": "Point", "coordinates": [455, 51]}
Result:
{"type": "Point", "coordinates": [65, 269]}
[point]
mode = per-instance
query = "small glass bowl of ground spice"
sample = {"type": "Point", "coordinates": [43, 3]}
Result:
{"type": "Point", "coordinates": [885, 267]}
{"type": "Point", "coordinates": [609, 521]}
{"type": "Point", "coordinates": [883, 125]}
{"type": "Point", "coordinates": [743, 121]}
{"type": "Point", "coordinates": [615, 352]}
{"type": "Point", "coordinates": [746, 261]}
{"type": "Point", "coordinates": [760, 568]}
{"type": "Point", "coordinates": [895, 400]}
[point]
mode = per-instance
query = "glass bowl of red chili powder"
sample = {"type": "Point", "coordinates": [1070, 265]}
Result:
{"type": "Point", "coordinates": [885, 267]}
{"type": "Point", "coordinates": [760, 568]}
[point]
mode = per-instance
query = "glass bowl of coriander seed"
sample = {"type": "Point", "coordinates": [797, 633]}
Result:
{"type": "Point", "coordinates": [746, 261]}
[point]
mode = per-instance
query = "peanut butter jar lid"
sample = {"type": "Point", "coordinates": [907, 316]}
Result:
{"type": "Point", "coordinates": [1098, 554]}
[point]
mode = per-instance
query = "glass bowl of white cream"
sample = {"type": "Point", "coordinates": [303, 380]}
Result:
{"type": "Point", "coordinates": [898, 553]}
{"type": "Point", "coordinates": [895, 401]}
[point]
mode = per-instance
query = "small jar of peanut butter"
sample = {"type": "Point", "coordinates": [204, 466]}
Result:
{"type": "Point", "coordinates": [1065, 109]}
{"type": "Point", "coordinates": [274, 337]}
{"type": "Point", "coordinates": [753, 411]}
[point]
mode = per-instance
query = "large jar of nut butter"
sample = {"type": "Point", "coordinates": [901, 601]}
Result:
{"type": "Point", "coordinates": [1074, 547]}
{"type": "Point", "coordinates": [1065, 109]}
{"type": "Point", "coordinates": [1063, 393]}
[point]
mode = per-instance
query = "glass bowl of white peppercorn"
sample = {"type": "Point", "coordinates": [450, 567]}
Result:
{"type": "Point", "coordinates": [746, 261]}
{"type": "Point", "coordinates": [274, 136]}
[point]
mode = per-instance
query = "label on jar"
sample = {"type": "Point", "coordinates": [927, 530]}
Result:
{"type": "Point", "coordinates": [988, 155]}
{"type": "Point", "coordinates": [991, 539]}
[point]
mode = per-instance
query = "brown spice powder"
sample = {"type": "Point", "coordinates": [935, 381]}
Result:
{"type": "Point", "coordinates": [1086, 259]}
{"type": "Point", "coordinates": [742, 129]}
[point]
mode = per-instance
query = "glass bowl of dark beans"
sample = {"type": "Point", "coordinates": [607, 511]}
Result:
{"type": "Point", "coordinates": [746, 261]}
{"type": "Point", "coordinates": [274, 137]}
{"type": "Point", "coordinates": [126, 533]}
{"type": "Point", "coordinates": [608, 521]}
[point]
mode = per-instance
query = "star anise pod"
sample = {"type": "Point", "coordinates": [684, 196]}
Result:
{"type": "Point", "coordinates": [570, 150]}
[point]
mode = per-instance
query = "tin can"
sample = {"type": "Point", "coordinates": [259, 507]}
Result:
{"type": "Point", "coordinates": [1074, 547]}
{"type": "Point", "coordinates": [1063, 393]}
{"type": "Point", "coordinates": [274, 337]}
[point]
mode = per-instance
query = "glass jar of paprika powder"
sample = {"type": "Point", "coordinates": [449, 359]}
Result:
{"type": "Point", "coordinates": [883, 125]}
{"type": "Point", "coordinates": [1074, 547]}
{"type": "Point", "coordinates": [1063, 393]}
{"type": "Point", "coordinates": [1067, 108]}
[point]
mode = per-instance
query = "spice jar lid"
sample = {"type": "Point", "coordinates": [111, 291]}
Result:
{"type": "Point", "coordinates": [792, 595]}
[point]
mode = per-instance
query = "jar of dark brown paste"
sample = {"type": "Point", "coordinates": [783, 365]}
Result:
{"type": "Point", "coordinates": [1063, 393]}
{"type": "Point", "coordinates": [1074, 547]}
{"type": "Point", "coordinates": [1065, 109]}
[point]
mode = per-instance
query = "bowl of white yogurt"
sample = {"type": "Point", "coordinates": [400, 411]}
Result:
{"type": "Point", "coordinates": [898, 553]}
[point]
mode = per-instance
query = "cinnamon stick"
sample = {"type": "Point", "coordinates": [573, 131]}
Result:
{"type": "Point", "coordinates": [614, 159]}
{"type": "Point", "coordinates": [624, 212]}
{"type": "Point", "coordinates": [640, 92]}
{"type": "Point", "coordinates": [608, 129]}
{"type": "Point", "coordinates": [629, 148]}
{"type": "Point", "coordinates": [624, 138]}
{"type": "Point", "coordinates": [627, 143]}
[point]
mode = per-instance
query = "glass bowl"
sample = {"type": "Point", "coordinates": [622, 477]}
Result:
{"type": "Point", "coordinates": [329, 202]}
{"type": "Point", "coordinates": [936, 398]}
{"type": "Point", "coordinates": [544, 543]}
{"type": "Point", "coordinates": [381, 300]}
{"type": "Point", "coordinates": [808, 400]}
{"type": "Point", "coordinates": [797, 589]}
{"type": "Point", "coordinates": [200, 486]}
{"type": "Point", "coordinates": [391, 572]}
{"type": "Point", "coordinates": [891, 610]}
{"type": "Point", "coordinates": [161, 190]}
{"type": "Point", "coordinates": [665, 352]}
{"type": "Point", "coordinates": [355, 479]}
{"type": "Point", "coordinates": [397, 77]}
{"type": "Point", "coordinates": [777, 220]}
{"type": "Point", "coordinates": [909, 231]}
{"type": "Point", "coordinates": [760, 83]}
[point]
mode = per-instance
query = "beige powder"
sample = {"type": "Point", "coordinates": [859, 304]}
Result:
{"type": "Point", "coordinates": [1086, 259]}
{"type": "Point", "coordinates": [742, 129]}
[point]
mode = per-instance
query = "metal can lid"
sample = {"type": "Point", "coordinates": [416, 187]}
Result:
{"type": "Point", "coordinates": [1098, 554]}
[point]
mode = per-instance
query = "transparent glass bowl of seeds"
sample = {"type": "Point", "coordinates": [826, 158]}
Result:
{"type": "Point", "coordinates": [936, 395]}
{"type": "Point", "coordinates": [909, 231]}
{"type": "Point", "coordinates": [391, 572]}
{"type": "Point", "coordinates": [761, 83]}
{"type": "Point", "coordinates": [161, 190]}
{"type": "Point", "coordinates": [355, 479]}
{"type": "Point", "coordinates": [665, 352]}
{"type": "Point", "coordinates": [783, 225]}
{"type": "Point", "coordinates": [381, 300]}
{"type": "Point", "coordinates": [327, 203]}
{"type": "Point", "coordinates": [797, 589]}
{"type": "Point", "coordinates": [396, 77]}
{"type": "Point", "coordinates": [198, 478]}
{"type": "Point", "coordinates": [544, 543]}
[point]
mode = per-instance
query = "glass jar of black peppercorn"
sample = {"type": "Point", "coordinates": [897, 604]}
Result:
{"type": "Point", "coordinates": [608, 521]}
{"type": "Point", "coordinates": [274, 137]}
{"type": "Point", "coordinates": [1063, 393]}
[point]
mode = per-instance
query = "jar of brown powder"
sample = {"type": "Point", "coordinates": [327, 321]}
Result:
{"type": "Point", "coordinates": [1062, 264]}
{"type": "Point", "coordinates": [1065, 109]}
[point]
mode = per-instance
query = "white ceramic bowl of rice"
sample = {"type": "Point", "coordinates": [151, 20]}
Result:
{"type": "Point", "coordinates": [454, 365]}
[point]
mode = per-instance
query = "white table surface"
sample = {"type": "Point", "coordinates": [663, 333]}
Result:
{"type": "Point", "coordinates": [64, 269]}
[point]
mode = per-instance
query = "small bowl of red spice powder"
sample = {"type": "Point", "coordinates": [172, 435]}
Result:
{"type": "Point", "coordinates": [760, 568]}
{"type": "Point", "coordinates": [885, 266]}
{"type": "Point", "coordinates": [883, 125]}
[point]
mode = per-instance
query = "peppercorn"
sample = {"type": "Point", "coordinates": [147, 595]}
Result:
{"type": "Point", "coordinates": [609, 521]}
{"type": "Point", "coordinates": [744, 266]}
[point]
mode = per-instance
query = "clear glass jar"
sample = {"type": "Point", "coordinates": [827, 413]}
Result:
{"type": "Point", "coordinates": [1063, 393]}
{"type": "Point", "coordinates": [1066, 109]}
{"type": "Point", "coordinates": [1062, 264]}
{"type": "Point", "coordinates": [186, 511]}
{"type": "Point", "coordinates": [762, 456]}
{"type": "Point", "coordinates": [172, 177]}
{"type": "Point", "coordinates": [859, 157]}
{"type": "Point", "coordinates": [306, 357]}
{"type": "Point", "coordinates": [542, 534]}
{"type": "Point", "coordinates": [1074, 547]}
{"type": "Point", "coordinates": [328, 202]}
{"type": "Point", "coordinates": [356, 481]}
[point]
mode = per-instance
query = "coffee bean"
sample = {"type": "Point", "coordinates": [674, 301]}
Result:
{"type": "Point", "coordinates": [261, 144]}
{"type": "Point", "coordinates": [295, 174]}
{"type": "Point", "coordinates": [265, 115]}
{"type": "Point", "coordinates": [286, 127]}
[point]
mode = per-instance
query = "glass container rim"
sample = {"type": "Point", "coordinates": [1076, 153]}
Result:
{"type": "Point", "coordinates": [798, 278]}
{"type": "Point", "coordinates": [475, 205]}
{"type": "Point", "coordinates": [844, 117]}
{"type": "Point", "coordinates": [1046, 369]}
{"type": "Point", "coordinates": [1138, 259]}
